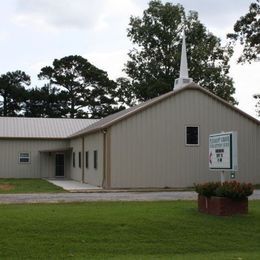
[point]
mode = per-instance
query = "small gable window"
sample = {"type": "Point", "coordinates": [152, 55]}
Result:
{"type": "Point", "coordinates": [192, 135]}
{"type": "Point", "coordinates": [24, 157]}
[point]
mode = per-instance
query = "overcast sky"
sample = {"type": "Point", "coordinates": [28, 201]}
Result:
{"type": "Point", "coordinates": [34, 32]}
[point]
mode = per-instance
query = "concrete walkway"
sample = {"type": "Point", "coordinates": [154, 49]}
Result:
{"type": "Point", "coordinates": [103, 196]}
{"type": "Point", "coordinates": [73, 186]}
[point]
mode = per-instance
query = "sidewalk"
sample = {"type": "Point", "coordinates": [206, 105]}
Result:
{"type": "Point", "coordinates": [74, 186]}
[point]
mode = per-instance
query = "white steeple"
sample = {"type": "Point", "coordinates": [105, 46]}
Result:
{"type": "Point", "coordinates": [184, 74]}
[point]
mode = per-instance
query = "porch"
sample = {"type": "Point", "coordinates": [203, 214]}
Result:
{"type": "Point", "coordinates": [55, 163]}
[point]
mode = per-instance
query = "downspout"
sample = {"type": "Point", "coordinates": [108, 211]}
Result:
{"type": "Point", "coordinates": [104, 181]}
{"type": "Point", "coordinates": [83, 160]}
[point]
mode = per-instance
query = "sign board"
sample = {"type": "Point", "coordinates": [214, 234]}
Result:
{"type": "Point", "coordinates": [223, 151]}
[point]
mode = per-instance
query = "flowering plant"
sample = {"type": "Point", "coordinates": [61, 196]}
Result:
{"type": "Point", "coordinates": [232, 189]}
{"type": "Point", "coordinates": [207, 189]}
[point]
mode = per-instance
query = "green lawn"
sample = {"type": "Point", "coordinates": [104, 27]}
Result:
{"type": "Point", "coordinates": [257, 186]}
{"type": "Point", "coordinates": [27, 186]}
{"type": "Point", "coordinates": [126, 230]}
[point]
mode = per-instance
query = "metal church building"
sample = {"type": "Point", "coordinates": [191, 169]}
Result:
{"type": "Point", "coordinates": [157, 144]}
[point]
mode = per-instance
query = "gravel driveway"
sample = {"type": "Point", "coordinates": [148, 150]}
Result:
{"type": "Point", "coordinates": [102, 196]}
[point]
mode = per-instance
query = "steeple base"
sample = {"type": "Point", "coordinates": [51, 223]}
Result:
{"type": "Point", "coordinates": [181, 82]}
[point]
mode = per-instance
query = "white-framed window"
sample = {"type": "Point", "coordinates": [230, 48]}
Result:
{"type": "Point", "coordinates": [24, 157]}
{"type": "Point", "coordinates": [192, 135]}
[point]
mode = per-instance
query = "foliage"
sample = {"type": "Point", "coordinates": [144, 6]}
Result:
{"type": "Point", "coordinates": [126, 230]}
{"type": "Point", "coordinates": [233, 189]}
{"type": "Point", "coordinates": [46, 102]}
{"type": "Point", "coordinates": [125, 94]}
{"type": "Point", "coordinates": [154, 62]}
{"type": "Point", "coordinates": [89, 91]}
{"type": "Point", "coordinates": [247, 32]}
{"type": "Point", "coordinates": [27, 186]}
{"type": "Point", "coordinates": [207, 189]}
{"type": "Point", "coordinates": [257, 97]}
{"type": "Point", "coordinates": [12, 91]}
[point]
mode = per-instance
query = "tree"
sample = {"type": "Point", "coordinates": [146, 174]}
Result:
{"type": "Point", "coordinates": [154, 62]}
{"type": "Point", "coordinates": [12, 91]}
{"type": "Point", "coordinates": [247, 32]}
{"type": "Point", "coordinates": [45, 102]}
{"type": "Point", "coordinates": [257, 97]}
{"type": "Point", "coordinates": [89, 91]}
{"type": "Point", "coordinates": [125, 95]}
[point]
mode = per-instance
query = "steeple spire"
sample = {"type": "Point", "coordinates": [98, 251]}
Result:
{"type": "Point", "coordinates": [184, 74]}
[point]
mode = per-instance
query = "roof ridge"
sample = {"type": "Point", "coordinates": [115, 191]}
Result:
{"type": "Point", "coordinates": [49, 118]}
{"type": "Point", "coordinates": [105, 122]}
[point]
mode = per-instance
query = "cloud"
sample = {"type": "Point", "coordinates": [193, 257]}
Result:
{"type": "Point", "coordinates": [60, 13]}
{"type": "Point", "coordinates": [111, 61]}
{"type": "Point", "coordinates": [68, 14]}
{"type": "Point", "coordinates": [3, 36]}
{"type": "Point", "coordinates": [245, 77]}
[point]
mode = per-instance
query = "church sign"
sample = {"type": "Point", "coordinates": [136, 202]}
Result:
{"type": "Point", "coordinates": [223, 151]}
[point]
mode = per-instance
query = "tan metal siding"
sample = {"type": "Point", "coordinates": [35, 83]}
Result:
{"type": "Point", "coordinates": [94, 142]}
{"type": "Point", "coordinates": [148, 149]}
{"type": "Point", "coordinates": [41, 165]}
{"type": "Point", "coordinates": [76, 172]}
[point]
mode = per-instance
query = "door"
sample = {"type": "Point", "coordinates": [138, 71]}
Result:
{"type": "Point", "coordinates": [59, 165]}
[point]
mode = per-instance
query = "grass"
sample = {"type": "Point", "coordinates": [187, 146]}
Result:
{"type": "Point", "coordinates": [257, 186]}
{"type": "Point", "coordinates": [126, 230]}
{"type": "Point", "coordinates": [27, 186]}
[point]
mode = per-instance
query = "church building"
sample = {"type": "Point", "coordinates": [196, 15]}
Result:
{"type": "Point", "coordinates": [161, 143]}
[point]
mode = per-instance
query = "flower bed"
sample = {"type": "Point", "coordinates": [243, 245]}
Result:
{"type": "Point", "coordinates": [224, 199]}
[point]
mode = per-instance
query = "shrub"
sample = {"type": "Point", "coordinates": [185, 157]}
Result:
{"type": "Point", "coordinates": [207, 189]}
{"type": "Point", "coordinates": [233, 189]}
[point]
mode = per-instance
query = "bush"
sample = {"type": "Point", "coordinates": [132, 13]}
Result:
{"type": "Point", "coordinates": [207, 189]}
{"type": "Point", "coordinates": [233, 189]}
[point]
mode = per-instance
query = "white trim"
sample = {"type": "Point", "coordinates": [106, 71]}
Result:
{"type": "Point", "coordinates": [192, 145]}
{"type": "Point", "coordinates": [24, 157]}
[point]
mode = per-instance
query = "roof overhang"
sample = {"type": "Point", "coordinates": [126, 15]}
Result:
{"type": "Point", "coordinates": [56, 150]}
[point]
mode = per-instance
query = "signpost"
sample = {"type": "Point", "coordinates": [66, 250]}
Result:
{"type": "Point", "coordinates": [223, 153]}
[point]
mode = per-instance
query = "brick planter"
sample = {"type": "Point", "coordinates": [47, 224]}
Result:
{"type": "Point", "coordinates": [221, 206]}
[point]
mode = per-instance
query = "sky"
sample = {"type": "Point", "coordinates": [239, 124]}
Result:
{"type": "Point", "coordinates": [35, 32]}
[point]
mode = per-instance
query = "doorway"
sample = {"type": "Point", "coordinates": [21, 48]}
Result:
{"type": "Point", "coordinates": [59, 165]}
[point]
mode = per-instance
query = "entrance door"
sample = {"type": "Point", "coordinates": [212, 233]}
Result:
{"type": "Point", "coordinates": [59, 165]}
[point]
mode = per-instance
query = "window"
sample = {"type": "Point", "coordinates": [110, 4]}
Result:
{"type": "Point", "coordinates": [24, 157]}
{"type": "Point", "coordinates": [79, 159]}
{"type": "Point", "coordinates": [73, 159]}
{"type": "Point", "coordinates": [95, 159]}
{"type": "Point", "coordinates": [192, 135]}
{"type": "Point", "coordinates": [86, 159]}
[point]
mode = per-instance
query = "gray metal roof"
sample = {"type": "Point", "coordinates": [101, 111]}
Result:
{"type": "Point", "coordinates": [50, 128]}
{"type": "Point", "coordinates": [19, 127]}
{"type": "Point", "coordinates": [110, 120]}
